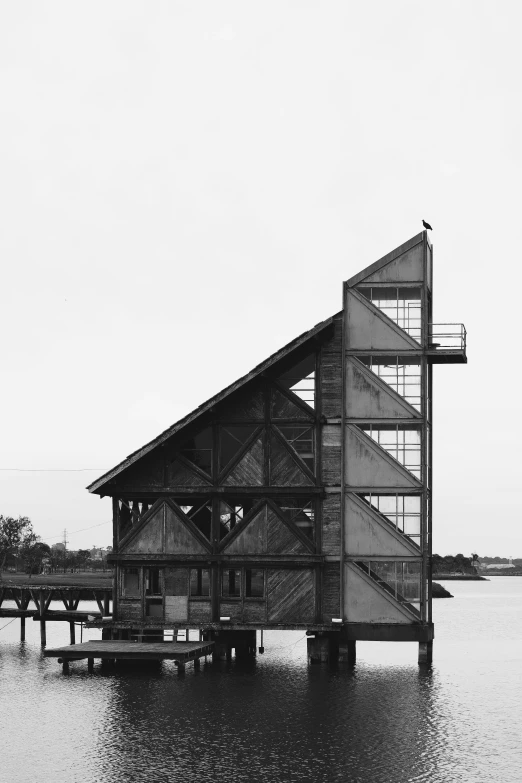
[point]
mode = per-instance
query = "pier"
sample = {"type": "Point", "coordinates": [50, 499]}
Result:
{"type": "Point", "coordinates": [29, 595]}
{"type": "Point", "coordinates": [179, 652]}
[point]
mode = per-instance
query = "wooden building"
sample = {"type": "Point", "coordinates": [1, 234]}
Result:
{"type": "Point", "coordinates": [300, 496]}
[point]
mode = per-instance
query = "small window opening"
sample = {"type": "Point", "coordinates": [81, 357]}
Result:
{"type": "Point", "coordinates": [302, 441]}
{"type": "Point", "coordinates": [199, 512]}
{"type": "Point", "coordinates": [199, 582]}
{"type": "Point", "coordinates": [231, 512]}
{"type": "Point", "coordinates": [300, 513]}
{"type": "Point", "coordinates": [254, 583]}
{"type": "Point", "coordinates": [152, 581]}
{"type": "Point", "coordinates": [231, 441]}
{"type": "Point", "coordinates": [131, 583]}
{"type": "Point", "coordinates": [231, 584]}
{"type": "Point", "coordinates": [198, 450]}
{"type": "Point", "coordinates": [300, 380]}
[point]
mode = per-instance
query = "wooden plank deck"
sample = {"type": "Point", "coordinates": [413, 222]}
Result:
{"type": "Point", "coordinates": [67, 615]}
{"type": "Point", "coordinates": [181, 652]}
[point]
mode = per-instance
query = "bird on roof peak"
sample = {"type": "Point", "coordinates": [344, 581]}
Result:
{"type": "Point", "coordinates": [426, 225]}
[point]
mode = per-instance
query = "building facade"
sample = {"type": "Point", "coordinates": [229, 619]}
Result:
{"type": "Point", "coordinates": [300, 496]}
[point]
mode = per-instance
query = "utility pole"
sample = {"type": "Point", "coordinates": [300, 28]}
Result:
{"type": "Point", "coordinates": [65, 542]}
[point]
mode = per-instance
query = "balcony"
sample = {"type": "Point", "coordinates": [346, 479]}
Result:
{"type": "Point", "coordinates": [447, 344]}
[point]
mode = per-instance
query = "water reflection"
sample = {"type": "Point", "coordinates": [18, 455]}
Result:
{"type": "Point", "coordinates": [275, 719]}
{"type": "Point", "coordinates": [270, 720]}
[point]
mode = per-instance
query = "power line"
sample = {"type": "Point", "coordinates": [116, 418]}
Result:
{"type": "Point", "coordinates": [51, 470]}
{"type": "Point", "coordinates": [81, 530]}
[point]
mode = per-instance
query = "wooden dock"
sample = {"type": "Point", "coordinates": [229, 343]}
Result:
{"type": "Point", "coordinates": [41, 595]}
{"type": "Point", "coordinates": [179, 652]}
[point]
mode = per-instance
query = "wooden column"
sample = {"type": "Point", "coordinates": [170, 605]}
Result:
{"type": "Point", "coordinates": [41, 608]}
{"type": "Point", "coordinates": [72, 632]}
{"type": "Point", "coordinates": [22, 629]}
{"type": "Point", "coordinates": [426, 653]}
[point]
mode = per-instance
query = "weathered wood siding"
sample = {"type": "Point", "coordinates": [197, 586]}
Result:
{"type": "Point", "coordinates": [330, 374]}
{"type": "Point", "coordinates": [291, 595]}
{"type": "Point", "coordinates": [331, 591]}
{"type": "Point", "coordinates": [331, 518]}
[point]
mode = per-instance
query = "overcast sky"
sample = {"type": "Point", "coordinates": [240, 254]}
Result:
{"type": "Point", "coordinates": [185, 185]}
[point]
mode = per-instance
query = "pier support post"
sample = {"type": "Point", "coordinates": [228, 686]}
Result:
{"type": "Point", "coordinates": [72, 632]}
{"type": "Point", "coordinates": [347, 651]}
{"type": "Point", "coordinates": [106, 604]}
{"type": "Point", "coordinates": [197, 663]}
{"type": "Point", "coordinates": [426, 652]}
{"type": "Point", "coordinates": [320, 649]}
{"type": "Point", "coordinates": [41, 610]}
{"type": "Point", "coordinates": [90, 665]}
{"type": "Point", "coordinates": [22, 629]}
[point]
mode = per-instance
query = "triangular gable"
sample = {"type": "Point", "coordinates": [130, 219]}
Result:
{"type": "Point", "coordinates": [369, 534]}
{"type": "Point", "coordinates": [251, 408]}
{"type": "Point", "coordinates": [403, 251]}
{"type": "Point", "coordinates": [249, 471]}
{"type": "Point", "coordinates": [281, 540]}
{"type": "Point", "coordinates": [178, 538]}
{"type": "Point", "coordinates": [407, 268]}
{"type": "Point", "coordinates": [181, 475]}
{"type": "Point", "coordinates": [285, 352]}
{"type": "Point", "coordinates": [368, 465]}
{"type": "Point", "coordinates": [284, 468]}
{"type": "Point", "coordinates": [148, 536]}
{"type": "Point", "coordinates": [162, 530]}
{"type": "Point", "coordinates": [366, 602]}
{"type": "Point", "coordinates": [368, 328]}
{"type": "Point", "coordinates": [148, 473]}
{"type": "Point", "coordinates": [266, 532]}
{"type": "Point", "coordinates": [284, 408]}
{"type": "Point", "coordinates": [369, 397]}
{"type": "Point", "coordinates": [252, 538]}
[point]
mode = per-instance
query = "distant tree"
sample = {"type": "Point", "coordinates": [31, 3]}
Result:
{"type": "Point", "coordinates": [33, 552]}
{"type": "Point", "coordinates": [12, 534]}
{"type": "Point", "coordinates": [82, 557]}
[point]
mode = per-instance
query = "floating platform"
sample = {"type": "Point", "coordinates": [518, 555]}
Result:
{"type": "Point", "coordinates": [179, 652]}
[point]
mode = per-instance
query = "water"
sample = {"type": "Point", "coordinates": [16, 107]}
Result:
{"type": "Point", "coordinates": [276, 719]}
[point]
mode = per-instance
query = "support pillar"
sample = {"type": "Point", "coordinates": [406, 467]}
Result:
{"type": "Point", "coordinates": [22, 629]}
{"type": "Point", "coordinates": [347, 651]}
{"type": "Point", "coordinates": [426, 653]}
{"type": "Point", "coordinates": [320, 649]}
{"type": "Point", "coordinates": [197, 663]}
{"type": "Point", "coordinates": [106, 604]}
{"type": "Point", "coordinates": [90, 665]}
{"type": "Point", "coordinates": [72, 632]}
{"type": "Point", "coordinates": [41, 608]}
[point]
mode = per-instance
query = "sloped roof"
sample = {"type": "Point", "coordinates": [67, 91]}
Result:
{"type": "Point", "coordinates": [204, 407]}
{"type": "Point", "coordinates": [382, 262]}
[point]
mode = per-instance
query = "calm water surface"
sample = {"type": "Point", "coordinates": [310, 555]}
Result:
{"type": "Point", "coordinates": [276, 719]}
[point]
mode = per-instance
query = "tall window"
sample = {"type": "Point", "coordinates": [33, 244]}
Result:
{"type": "Point", "coordinates": [402, 305]}
{"type": "Point", "coordinates": [402, 373]}
{"type": "Point", "coordinates": [199, 582]}
{"type": "Point", "coordinates": [402, 441]}
{"type": "Point", "coordinates": [403, 511]}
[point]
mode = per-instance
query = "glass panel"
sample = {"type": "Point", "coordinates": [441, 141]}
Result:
{"type": "Point", "coordinates": [302, 441]}
{"type": "Point", "coordinates": [199, 582]}
{"type": "Point", "coordinates": [254, 583]}
{"type": "Point", "coordinates": [231, 583]}
{"type": "Point", "coordinates": [300, 379]}
{"type": "Point", "coordinates": [131, 583]}
{"type": "Point", "coordinates": [402, 305]}
{"type": "Point", "coordinates": [301, 513]}
{"type": "Point", "coordinates": [231, 440]}
{"type": "Point", "coordinates": [152, 581]}
{"type": "Point", "coordinates": [198, 450]}
{"type": "Point", "coordinates": [402, 441]}
{"type": "Point", "coordinates": [402, 511]}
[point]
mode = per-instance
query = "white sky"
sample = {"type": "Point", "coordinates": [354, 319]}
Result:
{"type": "Point", "coordinates": [185, 185]}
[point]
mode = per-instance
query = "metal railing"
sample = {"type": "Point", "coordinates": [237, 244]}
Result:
{"type": "Point", "coordinates": [447, 336]}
